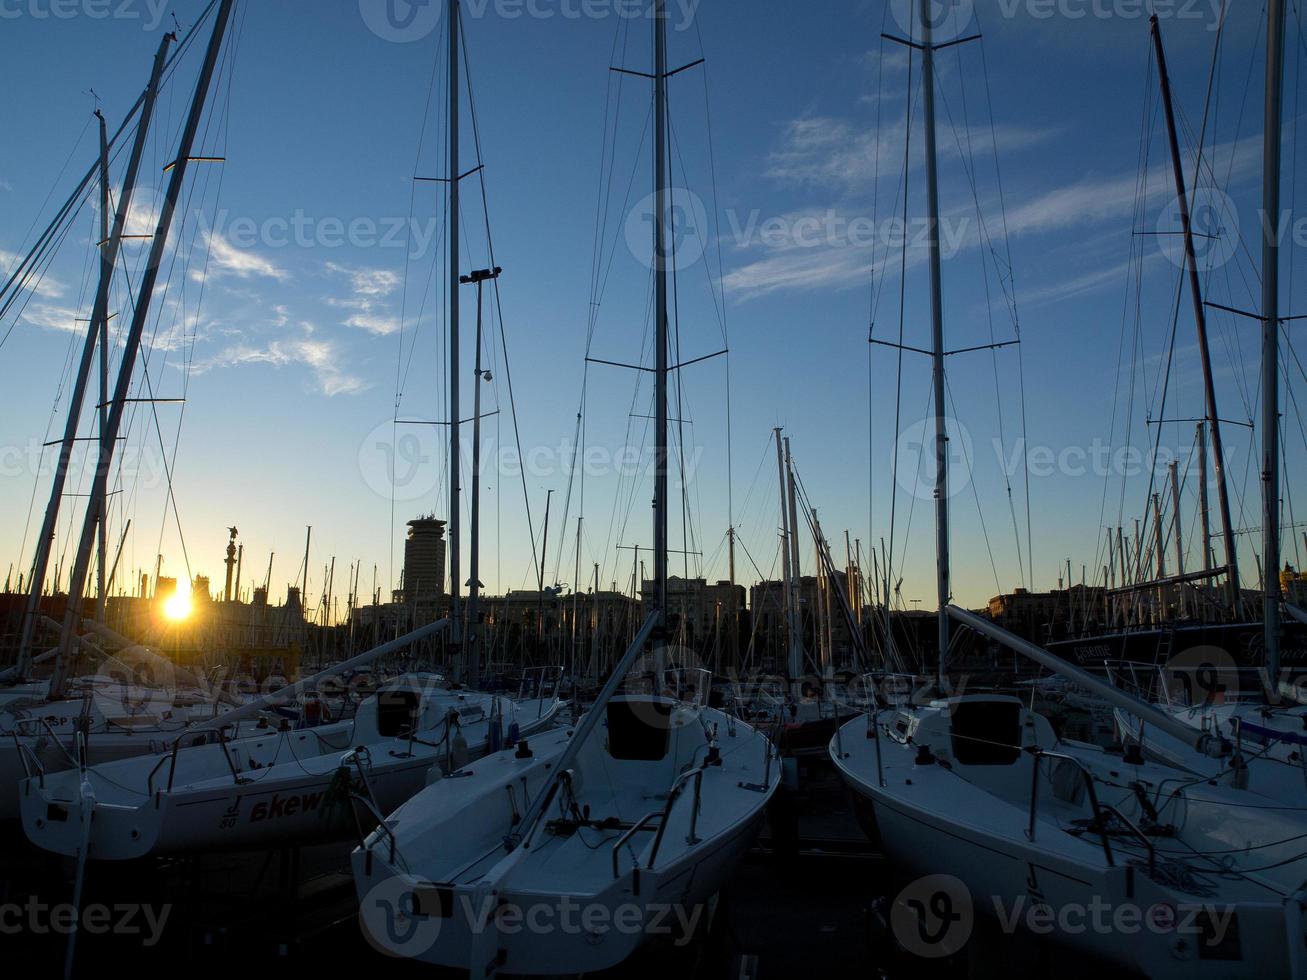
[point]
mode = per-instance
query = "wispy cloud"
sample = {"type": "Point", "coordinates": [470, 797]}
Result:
{"type": "Point", "coordinates": [369, 290]}
{"type": "Point", "coordinates": [825, 150]}
{"type": "Point", "coordinates": [373, 323]}
{"type": "Point", "coordinates": [815, 268]}
{"type": "Point", "coordinates": [226, 259]}
{"type": "Point", "coordinates": [322, 356]}
{"type": "Point", "coordinates": [47, 285]}
{"type": "Point", "coordinates": [48, 316]}
{"type": "Point", "coordinates": [375, 283]}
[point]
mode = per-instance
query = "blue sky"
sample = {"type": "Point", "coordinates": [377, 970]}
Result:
{"type": "Point", "coordinates": [316, 250]}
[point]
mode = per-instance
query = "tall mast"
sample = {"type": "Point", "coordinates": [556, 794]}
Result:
{"type": "Point", "coordinates": [661, 239]}
{"type": "Point", "coordinates": [1200, 321]}
{"type": "Point", "coordinates": [474, 562]}
{"type": "Point", "coordinates": [1270, 339]}
{"type": "Point", "coordinates": [1204, 517]}
{"type": "Point", "coordinates": [797, 652]}
{"type": "Point", "coordinates": [132, 345]}
{"type": "Point", "coordinates": [454, 369]}
{"type": "Point", "coordinates": [794, 661]}
{"type": "Point", "coordinates": [103, 339]}
{"type": "Point", "coordinates": [943, 590]}
{"type": "Point", "coordinates": [109, 250]}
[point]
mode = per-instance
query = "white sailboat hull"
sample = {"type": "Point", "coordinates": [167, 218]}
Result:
{"type": "Point", "coordinates": [217, 797]}
{"type": "Point", "coordinates": [1060, 884]}
{"type": "Point", "coordinates": [570, 899]}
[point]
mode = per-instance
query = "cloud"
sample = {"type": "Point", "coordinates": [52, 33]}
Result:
{"type": "Point", "coordinates": [381, 326]}
{"type": "Point", "coordinates": [47, 285]}
{"type": "Point", "coordinates": [825, 150]}
{"type": "Point", "coordinates": [322, 356]}
{"type": "Point", "coordinates": [5, 185]}
{"type": "Point", "coordinates": [814, 268]}
{"type": "Point", "coordinates": [50, 317]}
{"type": "Point", "coordinates": [369, 289]}
{"type": "Point", "coordinates": [377, 283]}
{"type": "Point", "coordinates": [226, 259]}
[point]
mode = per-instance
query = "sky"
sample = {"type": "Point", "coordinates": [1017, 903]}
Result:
{"type": "Point", "coordinates": [302, 308]}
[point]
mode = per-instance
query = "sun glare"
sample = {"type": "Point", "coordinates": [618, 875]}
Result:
{"type": "Point", "coordinates": [177, 607]}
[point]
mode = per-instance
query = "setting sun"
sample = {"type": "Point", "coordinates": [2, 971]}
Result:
{"type": "Point", "coordinates": [177, 607]}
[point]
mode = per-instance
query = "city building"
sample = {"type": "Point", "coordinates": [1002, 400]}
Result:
{"type": "Point", "coordinates": [424, 560]}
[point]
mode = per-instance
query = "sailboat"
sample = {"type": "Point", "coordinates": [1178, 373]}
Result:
{"type": "Point", "coordinates": [1269, 735]}
{"type": "Point", "coordinates": [1241, 639]}
{"type": "Point", "coordinates": [979, 788]}
{"type": "Point", "coordinates": [206, 792]}
{"type": "Point", "coordinates": [600, 830]}
{"type": "Point", "coordinates": [67, 721]}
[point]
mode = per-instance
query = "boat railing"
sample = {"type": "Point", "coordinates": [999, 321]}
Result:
{"type": "Point", "coordinates": [1135, 832]}
{"type": "Point", "coordinates": [49, 732]}
{"type": "Point", "coordinates": [171, 758]}
{"type": "Point", "coordinates": [381, 830]}
{"type": "Point", "coordinates": [29, 760]}
{"type": "Point", "coordinates": [873, 733]}
{"type": "Point", "coordinates": [1095, 807]}
{"type": "Point", "coordinates": [540, 683]}
{"type": "Point", "coordinates": [1099, 809]}
{"type": "Point", "coordinates": [769, 741]}
{"type": "Point", "coordinates": [662, 815]}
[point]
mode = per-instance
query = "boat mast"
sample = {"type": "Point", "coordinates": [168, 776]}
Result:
{"type": "Point", "coordinates": [943, 590]}
{"type": "Point", "coordinates": [1200, 321]}
{"type": "Point", "coordinates": [660, 257]}
{"type": "Point", "coordinates": [456, 634]}
{"type": "Point", "coordinates": [103, 339]}
{"type": "Point", "coordinates": [1270, 339]}
{"type": "Point", "coordinates": [474, 562]}
{"type": "Point", "coordinates": [1204, 517]}
{"type": "Point", "coordinates": [794, 662]}
{"type": "Point", "coordinates": [132, 345]}
{"type": "Point", "coordinates": [109, 250]}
